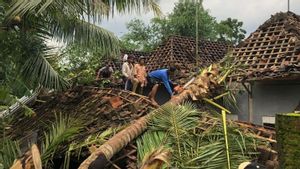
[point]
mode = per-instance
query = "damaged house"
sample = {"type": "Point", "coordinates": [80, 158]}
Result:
{"type": "Point", "coordinates": [268, 64]}
{"type": "Point", "coordinates": [180, 51]}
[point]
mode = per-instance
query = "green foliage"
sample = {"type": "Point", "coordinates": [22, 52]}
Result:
{"type": "Point", "coordinates": [288, 136]}
{"type": "Point", "coordinates": [79, 65]}
{"type": "Point", "coordinates": [92, 140]}
{"type": "Point", "coordinates": [9, 151]}
{"type": "Point", "coordinates": [147, 37]}
{"type": "Point", "coordinates": [61, 131]}
{"type": "Point", "coordinates": [230, 30]}
{"type": "Point", "coordinates": [187, 27]}
{"type": "Point", "coordinates": [26, 27]}
{"type": "Point", "coordinates": [181, 130]}
{"type": "Point", "coordinates": [149, 142]}
{"type": "Point", "coordinates": [176, 121]}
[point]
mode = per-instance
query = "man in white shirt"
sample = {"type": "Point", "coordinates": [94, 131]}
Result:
{"type": "Point", "coordinates": [127, 70]}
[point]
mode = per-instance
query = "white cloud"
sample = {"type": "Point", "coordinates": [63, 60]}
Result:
{"type": "Point", "coordinates": [252, 12]}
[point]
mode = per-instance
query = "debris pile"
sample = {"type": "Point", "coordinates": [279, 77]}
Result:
{"type": "Point", "coordinates": [98, 109]}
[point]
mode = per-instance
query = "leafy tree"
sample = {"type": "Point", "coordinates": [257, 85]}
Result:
{"type": "Point", "coordinates": [26, 26]}
{"type": "Point", "coordinates": [139, 36]}
{"type": "Point", "coordinates": [79, 65]}
{"type": "Point", "coordinates": [230, 30]}
{"type": "Point", "coordinates": [182, 21]}
{"type": "Point", "coordinates": [145, 37]}
{"type": "Point", "coordinates": [184, 16]}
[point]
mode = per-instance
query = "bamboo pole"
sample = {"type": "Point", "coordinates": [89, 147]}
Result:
{"type": "Point", "coordinates": [226, 138]}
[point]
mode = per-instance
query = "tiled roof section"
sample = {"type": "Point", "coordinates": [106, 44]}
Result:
{"type": "Point", "coordinates": [97, 108]}
{"type": "Point", "coordinates": [272, 51]}
{"type": "Point", "coordinates": [180, 51]}
{"type": "Point", "coordinates": [136, 54]}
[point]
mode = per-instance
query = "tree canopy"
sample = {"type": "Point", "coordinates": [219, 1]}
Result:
{"type": "Point", "coordinates": [182, 21]}
{"type": "Point", "coordinates": [26, 26]}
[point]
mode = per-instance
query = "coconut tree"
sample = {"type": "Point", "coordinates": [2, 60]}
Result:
{"type": "Point", "coordinates": [27, 26]}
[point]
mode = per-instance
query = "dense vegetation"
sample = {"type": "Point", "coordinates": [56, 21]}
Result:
{"type": "Point", "coordinates": [27, 61]}
{"type": "Point", "coordinates": [181, 22]}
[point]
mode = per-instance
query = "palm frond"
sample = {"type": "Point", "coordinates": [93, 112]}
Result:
{"type": "Point", "coordinates": [136, 6]}
{"type": "Point", "coordinates": [176, 121]}
{"type": "Point", "coordinates": [62, 130]}
{"type": "Point", "coordinates": [9, 151]}
{"type": "Point", "coordinates": [92, 140]}
{"type": "Point", "coordinates": [157, 159]}
{"type": "Point", "coordinates": [84, 33]}
{"type": "Point", "coordinates": [37, 70]}
{"type": "Point", "coordinates": [196, 140]}
{"type": "Point", "coordinates": [149, 142]}
{"type": "Point", "coordinates": [96, 9]}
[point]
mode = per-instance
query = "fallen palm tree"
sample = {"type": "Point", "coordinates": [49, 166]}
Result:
{"type": "Point", "coordinates": [202, 87]}
{"type": "Point", "coordinates": [103, 108]}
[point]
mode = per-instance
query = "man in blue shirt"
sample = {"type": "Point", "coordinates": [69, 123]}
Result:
{"type": "Point", "coordinates": [156, 77]}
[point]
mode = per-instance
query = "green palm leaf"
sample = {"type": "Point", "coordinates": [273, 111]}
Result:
{"type": "Point", "coordinates": [84, 33]}
{"type": "Point", "coordinates": [176, 121]}
{"type": "Point", "coordinates": [98, 9]}
{"type": "Point", "coordinates": [61, 131]}
{"type": "Point", "coordinates": [9, 151]}
{"type": "Point", "coordinates": [38, 71]}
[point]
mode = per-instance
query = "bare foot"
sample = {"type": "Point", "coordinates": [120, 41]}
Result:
{"type": "Point", "coordinates": [154, 102]}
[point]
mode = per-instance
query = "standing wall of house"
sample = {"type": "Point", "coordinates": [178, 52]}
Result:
{"type": "Point", "coordinates": [269, 99]}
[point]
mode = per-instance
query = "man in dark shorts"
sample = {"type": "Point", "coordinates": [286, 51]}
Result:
{"type": "Point", "coordinates": [161, 76]}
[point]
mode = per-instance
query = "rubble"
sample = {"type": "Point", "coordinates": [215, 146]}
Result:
{"type": "Point", "coordinates": [99, 109]}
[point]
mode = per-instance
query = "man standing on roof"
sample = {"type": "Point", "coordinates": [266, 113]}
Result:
{"type": "Point", "coordinates": [161, 76]}
{"type": "Point", "coordinates": [127, 70]}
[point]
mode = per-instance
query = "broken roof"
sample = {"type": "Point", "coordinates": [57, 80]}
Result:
{"type": "Point", "coordinates": [272, 51]}
{"type": "Point", "coordinates": [180, 51]}
{"type": "Point", "coordinates": [99, 109]}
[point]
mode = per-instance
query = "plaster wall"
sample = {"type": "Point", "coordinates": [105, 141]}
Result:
{"type": "Point", "coordinates": [269, 99]}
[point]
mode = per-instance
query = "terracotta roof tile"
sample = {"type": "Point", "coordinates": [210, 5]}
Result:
{"type": "Point", "coordinates": [97, 108]}
{"type": "Point", "coordinates": [181, 51]}
{"type": "Point", "coordinates": [272, 51]}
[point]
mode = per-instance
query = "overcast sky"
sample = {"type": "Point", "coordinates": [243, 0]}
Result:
{"type": "Point", "coordinates": [252, 12]}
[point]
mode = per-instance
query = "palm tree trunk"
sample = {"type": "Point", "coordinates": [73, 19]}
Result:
{"type": "Point", "coordinates": [98, 159]}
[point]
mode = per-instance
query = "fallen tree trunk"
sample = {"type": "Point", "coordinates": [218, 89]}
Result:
{"type": "Point", "coordinates": [200, 88]}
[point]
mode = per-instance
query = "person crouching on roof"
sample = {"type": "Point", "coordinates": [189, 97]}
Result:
{"type": "Point", "coordinates": [140, 75]}
{"type": "Point", "coordinates": [105, 72]}
{"type": "Point", "coordinates": [127, 70]}
{"type": "Point", "coordinates": [161, 76]}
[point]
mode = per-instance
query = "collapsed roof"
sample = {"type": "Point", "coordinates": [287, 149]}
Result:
{"type": "Point", "coordinates": [99, 109]}
{"type": "Point", "coordinates": [272, 51]}
{"type": "Point", "coordinates": [180, 51]}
